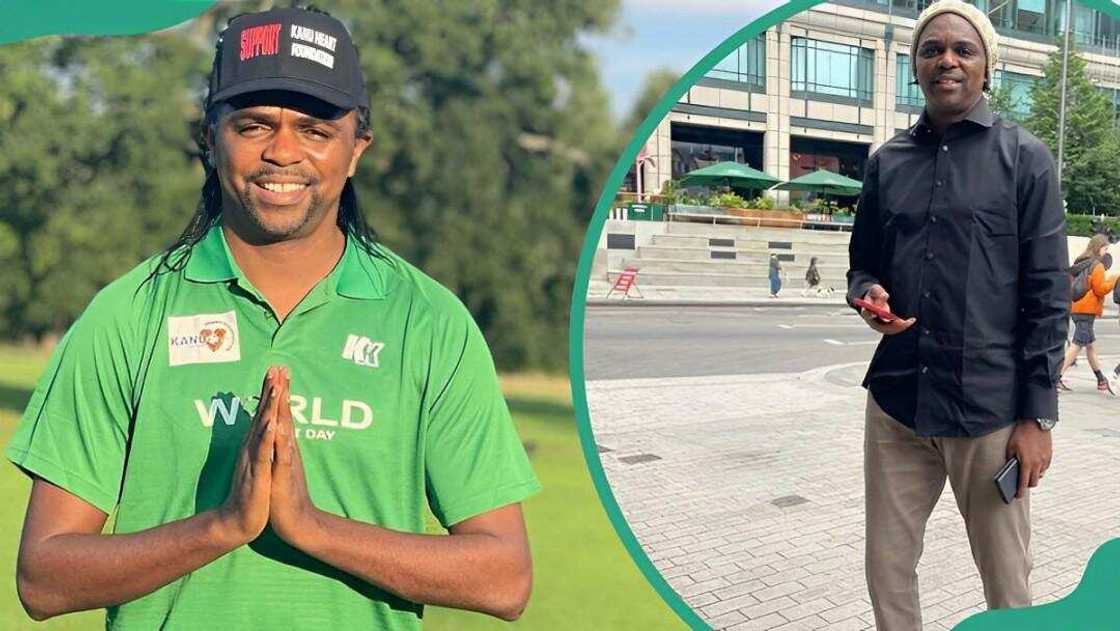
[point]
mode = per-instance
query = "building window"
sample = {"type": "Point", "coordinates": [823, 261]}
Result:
{"type": "Point", "coordinates": [999, 12]}
{"type": "Point", "coordinates": [1042, 19]}
{"type": "Point", "coordinates": [746, 65]}
{"type": "Point", "coordinates": [840, 70]}
{"type": "Point", "coordinates": [906, 93]}
{"type": "Point", "coordinates": [1019, 86]}
{"type": "Point", "coordinates": [694, 147]}
{"type": "Point", "coordinates": [909, 8]}
{"type": "Point", "coordinates": [1090, 27]}
{"type": "Point", "coordinates": [1030, 16]}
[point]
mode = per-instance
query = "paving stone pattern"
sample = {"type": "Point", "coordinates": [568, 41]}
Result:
{"type": "Point", "coordinates": [753, 511]}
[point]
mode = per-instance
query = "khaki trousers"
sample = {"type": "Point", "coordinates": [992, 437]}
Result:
{"type": "Point", "coordinates": [903, 478]}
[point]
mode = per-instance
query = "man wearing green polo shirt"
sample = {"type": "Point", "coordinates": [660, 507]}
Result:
{"type": "Point", "coordinates": [299, 502]}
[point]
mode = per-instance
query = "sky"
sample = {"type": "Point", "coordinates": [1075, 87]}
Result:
{"type": "Point", "coordinates": [674, 34]}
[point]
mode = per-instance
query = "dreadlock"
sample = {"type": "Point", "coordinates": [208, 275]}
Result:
{"type": "Point", "coordinates": [350, 218]}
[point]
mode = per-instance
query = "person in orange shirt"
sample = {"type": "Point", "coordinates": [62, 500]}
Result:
{"type": "Point", "coordinates": [1090, 307]}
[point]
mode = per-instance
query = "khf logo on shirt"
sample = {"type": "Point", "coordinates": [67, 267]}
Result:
{"type": "Point", "coordinates": [362, 351]}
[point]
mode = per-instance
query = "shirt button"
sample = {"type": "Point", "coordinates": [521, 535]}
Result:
{"type": "Point", "coordinates": [925, 294]}
{"type": "Point", "coordinates": [925, 331]}
{"type": "Point", "coordinates": [929, 256]}
{"type": "Point", "coordinates": [933, 219]}
{"type": "Point", "coordinates": [944, 147]}
{"type": "Point", "coordinates": [925, 369]}
{"type": "Point", "coordinates": [939, 182]}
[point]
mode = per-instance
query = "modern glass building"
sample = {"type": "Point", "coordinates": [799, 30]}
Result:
{"type": "Point", "coordinates": [825, 88]}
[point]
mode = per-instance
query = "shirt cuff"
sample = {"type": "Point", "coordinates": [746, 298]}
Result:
{"type": "Point", "coordinates": [858, 289]}
{"type": "Point", "coordinates": [1038, 402]}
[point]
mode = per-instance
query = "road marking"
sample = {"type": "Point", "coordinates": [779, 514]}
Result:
{"type": "Point", "coordinates": [857, 343]}
{"type": "Point", "coordinates": [825, 325]}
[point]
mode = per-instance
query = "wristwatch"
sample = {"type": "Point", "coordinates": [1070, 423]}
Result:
{"type": "Point", "coordinates": [1046, 424]}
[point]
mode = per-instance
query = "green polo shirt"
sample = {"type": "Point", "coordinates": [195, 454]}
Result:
{"type": "Point", "coordinates": [396, 404]}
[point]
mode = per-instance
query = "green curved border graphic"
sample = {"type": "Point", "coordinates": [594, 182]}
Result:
{"type": "Point", "coordinates": [25, 19]}
{"type": "Point", "coordinates": [1092, 604]}
{"type": "Point", "coordinates": [1094, 600]}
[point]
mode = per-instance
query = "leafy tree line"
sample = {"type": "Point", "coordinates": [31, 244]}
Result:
{"type": "Point", "coordinates": [1090, 180]}
{"type": "Point", "coordinates": [492, 136]}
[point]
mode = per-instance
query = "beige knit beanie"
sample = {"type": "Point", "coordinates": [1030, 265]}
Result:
{"type": "Point", "coordinates": [977, 18]}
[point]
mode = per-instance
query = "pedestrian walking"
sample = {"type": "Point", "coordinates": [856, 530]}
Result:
{"type": "Point", "coordinates": [775, 276]}
{"type": "Point", "coordinates": [812, 279]}
{"type": "Point", "coordinates": [1090, 306]}
{"type": "Point", "coordinates": [1115, 301]}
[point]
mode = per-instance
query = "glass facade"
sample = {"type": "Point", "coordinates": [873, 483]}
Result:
{"type": "Point", "coordinates": [746, 65]}
{"type": "Point", "coordinates": [694, 147]}
{"type": "Point", "coordinates": [906, 93]}
{"type": "Point", "coordinates": [1020, 91]}
{"type": "Point", "coordinates": [836, 70]}
{"type": "Point", "coordinates": [1090, 27]}
{"type": "Point", "coordinates": [809, 154]}
{"type": "Point", "coordinates": [1042, 20]}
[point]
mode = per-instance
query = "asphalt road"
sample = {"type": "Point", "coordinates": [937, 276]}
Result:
{"type": "Point", "coordinates": [641, 342]}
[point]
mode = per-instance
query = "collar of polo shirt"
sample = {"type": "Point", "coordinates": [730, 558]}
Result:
{"type": "Point", "coordinates": [355, 276]}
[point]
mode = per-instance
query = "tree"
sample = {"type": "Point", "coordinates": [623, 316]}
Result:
{"type": "Point", "coordinates": [654, 86]}
{"type": "Point", "coordinates": [1002, 101]}
{"type": "Point", "coordinates": [97, 170]}
{"type": "Point", "coordinates": [1089, 178]}
{"type": "Point", "coordinates": [492, 136]}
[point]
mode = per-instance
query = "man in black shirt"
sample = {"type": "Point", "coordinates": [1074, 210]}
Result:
{"type": "Point", "coordinates": [961, 231]}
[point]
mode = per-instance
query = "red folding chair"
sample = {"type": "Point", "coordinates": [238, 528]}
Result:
{"type": "Point", "coordinates": [626, 281]}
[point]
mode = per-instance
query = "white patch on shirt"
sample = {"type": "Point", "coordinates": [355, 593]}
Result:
{"type": "Point", "coordinates": [362, 351]}
{"type": "Point", "coordinates": [206, 338]}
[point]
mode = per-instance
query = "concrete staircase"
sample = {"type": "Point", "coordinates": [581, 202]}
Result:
{"type": "Point", "coordinates": [704, 255]}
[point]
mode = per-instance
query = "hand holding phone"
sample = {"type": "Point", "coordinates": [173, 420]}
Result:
{"type": "Point", "coordinates": [879, 311]}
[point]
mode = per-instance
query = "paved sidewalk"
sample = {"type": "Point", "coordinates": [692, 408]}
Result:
{"type": "Point", "coordinates": [746, 491]}
{"type": "Point", "coordinates": [662, 295]}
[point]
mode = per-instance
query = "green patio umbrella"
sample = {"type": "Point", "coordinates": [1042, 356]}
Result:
{"type": "Point", "coordinates": [821, 181]}
{"type": "Point", "coordinates": [729, 174]}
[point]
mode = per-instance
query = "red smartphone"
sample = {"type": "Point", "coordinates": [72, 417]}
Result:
{"type": "Point", "coordinates": [880, 312]}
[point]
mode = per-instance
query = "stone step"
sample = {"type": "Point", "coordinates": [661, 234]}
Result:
{"type": "Point", "coordinates": [742, 255]}
{"type": "Point", "coordinates": [750, 245]}
{"type": "Point", "coordinates": [736, 231]}
{"type": "Point", "coordinates": [689, 279]}
{"type": "Point", "coordinates": [792, 270]}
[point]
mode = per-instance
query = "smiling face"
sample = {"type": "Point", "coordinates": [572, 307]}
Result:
{"type": "Point", "coordinates": [951, 67]}
{"type": "Point", "coordinates": [283, 159]}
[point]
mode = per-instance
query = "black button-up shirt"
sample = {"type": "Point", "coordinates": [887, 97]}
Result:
{"type": "Point", "coordinates": [966, 232]}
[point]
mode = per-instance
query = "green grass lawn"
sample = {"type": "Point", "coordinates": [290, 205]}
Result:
{"type": "Point", "coordinates": [583, 578]}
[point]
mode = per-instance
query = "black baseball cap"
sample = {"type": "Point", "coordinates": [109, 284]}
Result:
{"type": "Point", "coordinates": [288, 49]}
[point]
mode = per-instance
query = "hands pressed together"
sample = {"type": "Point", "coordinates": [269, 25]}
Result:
{"type": "Point", "coordinates": [269, 486]}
